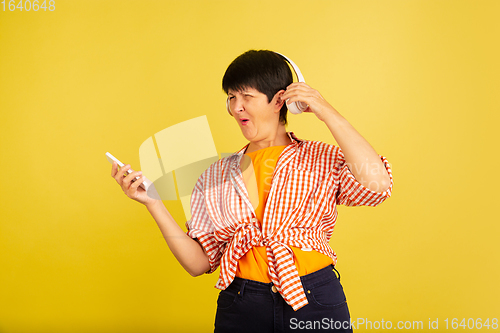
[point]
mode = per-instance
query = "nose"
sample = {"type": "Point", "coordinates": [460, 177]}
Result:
{"type": "Point", "coordinates": [236, 104]}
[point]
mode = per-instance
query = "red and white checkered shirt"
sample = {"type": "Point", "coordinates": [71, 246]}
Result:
{"type": "Point", "coordinates": [309, 181]}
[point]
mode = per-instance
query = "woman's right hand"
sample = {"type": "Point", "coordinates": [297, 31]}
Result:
{"type": "Point", "coordinates": [129, 187]}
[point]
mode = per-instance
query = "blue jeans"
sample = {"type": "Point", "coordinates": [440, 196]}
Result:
{"type": "Point", "coordinates": [252, 306]}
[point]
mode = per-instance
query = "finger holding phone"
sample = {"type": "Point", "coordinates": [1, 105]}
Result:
{"type": "Point", "coordinates": [129, 184]}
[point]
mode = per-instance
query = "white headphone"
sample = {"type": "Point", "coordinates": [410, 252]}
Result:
{"type": "Point", "coordinates": [295, 107]}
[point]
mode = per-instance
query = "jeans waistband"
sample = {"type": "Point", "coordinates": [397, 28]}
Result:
{"type": "Point", "coordinates": [308, 281]}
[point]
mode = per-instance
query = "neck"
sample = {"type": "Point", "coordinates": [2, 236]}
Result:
{"type": "Point", "coordinates": [280, 138]}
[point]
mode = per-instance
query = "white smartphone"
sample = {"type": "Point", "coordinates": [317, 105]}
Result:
{"type": "Point", "coordinates": [145, 184]}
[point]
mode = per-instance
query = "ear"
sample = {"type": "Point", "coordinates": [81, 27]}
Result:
{"type": "Point", "coordinates": [277, 100]}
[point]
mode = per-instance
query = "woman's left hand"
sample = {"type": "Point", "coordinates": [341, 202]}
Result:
{"type": "Point", "coordinates": [301, 92]}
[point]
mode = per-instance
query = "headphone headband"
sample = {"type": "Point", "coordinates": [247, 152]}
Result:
{"type": "Point", "coordinates": [295, 67]}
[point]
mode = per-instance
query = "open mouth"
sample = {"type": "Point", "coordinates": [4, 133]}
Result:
{"type": "Point", "coordinates": [244, 121]}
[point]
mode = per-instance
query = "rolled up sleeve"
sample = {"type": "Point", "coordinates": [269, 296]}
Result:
{"type": "Point", "coordinates": [353, 193]}
{"type": "Point", "coordinates": [200, 227]}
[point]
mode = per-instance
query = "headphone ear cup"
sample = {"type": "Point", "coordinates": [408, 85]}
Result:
{"type": "Point", "coordinates": [296, 107]}
{"type": "Point", "coordinates": [292, 107]}
{"type": "Point", "coordinates": [228, 108]}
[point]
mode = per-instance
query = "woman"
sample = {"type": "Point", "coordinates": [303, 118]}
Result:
{"type": "Point", "coordinates": [265, 214]}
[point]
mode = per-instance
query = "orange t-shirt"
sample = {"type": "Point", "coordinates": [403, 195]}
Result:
{"type": "Point", "coordinates": [253, 265]}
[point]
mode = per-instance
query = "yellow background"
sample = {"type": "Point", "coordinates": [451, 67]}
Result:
{"type": "Point", "coordinates": [418, 79]}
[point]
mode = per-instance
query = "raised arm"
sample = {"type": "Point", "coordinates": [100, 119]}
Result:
{"type": "Point", "coordinates": [188, 252]}
{"type": "Point", "coordinates": [363, 161]}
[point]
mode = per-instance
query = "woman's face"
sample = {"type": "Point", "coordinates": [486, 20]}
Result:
{"type": "Point", "coordinates": [258, 119]}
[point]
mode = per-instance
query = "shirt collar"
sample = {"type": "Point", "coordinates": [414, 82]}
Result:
{"type": "Point", "coordinates": [295, 141]}
{"type": "Point", "coordinates": [236, 157]}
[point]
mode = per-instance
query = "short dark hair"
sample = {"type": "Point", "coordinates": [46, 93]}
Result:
{"type": "Point", "coordinates": [264, 70]}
